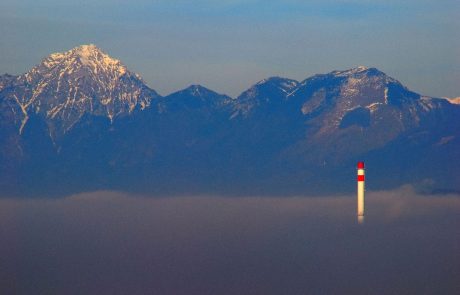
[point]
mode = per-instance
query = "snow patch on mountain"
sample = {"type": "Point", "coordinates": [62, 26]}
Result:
{"type": "Point", "coordinates": [374, 106]}
{"type": "Point", "coordinates": [455, 100]}
{"type": "Point", "coordinates": [353, 71]}
{"type": "Point", "coordinates": [267, 92]}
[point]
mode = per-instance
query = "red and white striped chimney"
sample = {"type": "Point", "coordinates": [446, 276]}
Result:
{"type": "Point", "coordinates": [361, 182]}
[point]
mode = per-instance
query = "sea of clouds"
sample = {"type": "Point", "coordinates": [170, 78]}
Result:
{"type": "Point", "coordinates": [116, 243]}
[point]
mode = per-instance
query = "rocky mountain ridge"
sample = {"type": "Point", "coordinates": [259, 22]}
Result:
{"type": "Point", "coordinates": [65, 86]}
{"type": "Point", "coordinates": [82, 117]}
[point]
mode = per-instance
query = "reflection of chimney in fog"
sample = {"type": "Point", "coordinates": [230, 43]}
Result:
{"type": "Point", "coordinates": [360, 195]}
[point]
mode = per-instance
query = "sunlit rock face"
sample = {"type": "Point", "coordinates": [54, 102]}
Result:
{"type": "Point", "coordinates": [83, 80]}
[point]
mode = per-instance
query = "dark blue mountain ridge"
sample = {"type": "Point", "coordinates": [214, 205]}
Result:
{"type": "Point", "coordinates": [193, 97]}
{"type": "Point", "coordinates": [265, 96]}
{"type": "Point", "coordinates": [82, 121]}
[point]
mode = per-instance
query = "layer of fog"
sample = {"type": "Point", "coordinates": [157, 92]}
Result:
{"type": "Point", "coordinates": [114, 243]}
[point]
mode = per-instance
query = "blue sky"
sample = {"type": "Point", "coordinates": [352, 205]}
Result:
{"type": "Point", "coordinates": [228, 45]}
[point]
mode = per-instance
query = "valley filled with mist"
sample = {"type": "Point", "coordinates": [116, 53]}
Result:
{"type": "Point", "coordinates": [116, 243]}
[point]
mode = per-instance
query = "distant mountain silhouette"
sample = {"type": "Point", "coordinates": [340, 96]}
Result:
{"type": "Point", "coordinates": [81, 121]}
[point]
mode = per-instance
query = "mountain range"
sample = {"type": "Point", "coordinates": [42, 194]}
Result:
{"type": "Point", "coordinates": [80, 121]}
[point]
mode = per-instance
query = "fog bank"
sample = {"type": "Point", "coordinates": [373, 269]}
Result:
{"type": "Point", "coordinates": [114, 243]}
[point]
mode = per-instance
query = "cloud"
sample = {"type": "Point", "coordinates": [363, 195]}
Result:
{"type": "Point", "coordinates": [115, 243]}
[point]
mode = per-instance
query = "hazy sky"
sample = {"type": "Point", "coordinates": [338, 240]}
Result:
{"type": "Point", "coordinates": [111, 243]}
{"type": "Point", "coordinates": [227, 45]}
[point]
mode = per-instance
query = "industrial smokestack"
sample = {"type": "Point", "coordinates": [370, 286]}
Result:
{"type": "Point", "coordinates": [360, 195]}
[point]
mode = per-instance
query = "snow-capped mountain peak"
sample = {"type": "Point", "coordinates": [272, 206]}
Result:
{"type": "Point", "coordinates": [67, 85]}
{"type": "Point", "coordinates": [85, 56]}
{"type": "Point", "coordinates": [363, 72]}
{"type": "Point", "coordinates": [360, 95]}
